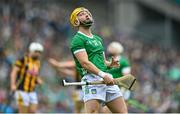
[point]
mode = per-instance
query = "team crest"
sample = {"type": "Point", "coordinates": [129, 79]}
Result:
{"type": "Point", "coordinates": [93, 91]}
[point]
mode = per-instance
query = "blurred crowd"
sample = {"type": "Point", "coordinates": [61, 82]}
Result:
{"type": "Point", "coordinates": [157, 68]}
{"type": "Point", "coordinates": [158, 72]}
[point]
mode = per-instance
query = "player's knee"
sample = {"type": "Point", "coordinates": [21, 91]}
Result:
{"type": "Point", "coordinates": [92, 109]}
{"type": "Point", "coordinates": [105, 109]}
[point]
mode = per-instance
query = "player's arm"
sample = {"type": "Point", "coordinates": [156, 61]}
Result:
{"type": "Point", "coordinates": [16, 68]}
{"type": "Point", "coordinates": [126, 70]}
{"type": "Point", "coordinates": [90, 67]}
{"type": "Point", "coordinates": [39, 80]}
{"type": "Point", "coordinates": [61, 64]}
{"type": "Point", "coordinates": [68, 72]}
{"type": "Point", "coordinates": [113, 63]}
{"type": "Point", "coordinates": [62, 67]}
{"type": "Point", "coordinates": [108, 63]}
{"type": "Point", "coordinates": [13, 77]}
{"type": "Point", "coordinates": [126, 67]}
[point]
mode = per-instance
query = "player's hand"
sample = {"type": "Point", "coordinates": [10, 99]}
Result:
{"type": "Point", "coordinates": [114, 62]}
{"type": "Point", "coordinates": [13, 87]}
{"type": "Point", "coordinates": [39, 81]}
{"type": "Point", "coordinates": [108, 80]}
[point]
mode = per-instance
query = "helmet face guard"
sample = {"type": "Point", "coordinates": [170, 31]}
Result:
{"type": "Point", "coordinates": [74, 19]}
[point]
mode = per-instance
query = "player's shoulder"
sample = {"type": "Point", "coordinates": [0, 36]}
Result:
{"type": "Point", "coordinates": [124, 60]}
{"type": "Point", "coordinates": [97, 36]}
{"type": "Point", "coordinates": [76, 40]}
{"type": "Point", "coordinates": [77, 37]}
{"type": "Point", "coordinates": [123, 57]}
{"type": "Point", "coordinates": [21, 58]}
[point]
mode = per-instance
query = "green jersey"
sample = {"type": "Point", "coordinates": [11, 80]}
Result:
{"type": "Point", "coordinates": [124, 68]}
{"type": "Point", "coordinates": [94, 49]}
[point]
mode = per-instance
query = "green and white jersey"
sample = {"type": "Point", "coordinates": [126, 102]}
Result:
{"type": "Point", "coordinates": [94, 48]}
{"type": "Point", "coordinates": [124, 68]}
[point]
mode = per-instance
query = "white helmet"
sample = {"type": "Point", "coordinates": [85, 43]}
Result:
{"type": "Point", "coordinates": [34, 46]}
{"type": "Point", "coordinates": [115, 48]}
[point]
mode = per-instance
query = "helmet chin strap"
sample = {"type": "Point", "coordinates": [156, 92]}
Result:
{"type": "Point", "coordinates": [88, 24]}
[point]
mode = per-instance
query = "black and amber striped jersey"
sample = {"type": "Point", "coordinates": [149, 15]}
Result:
{"type": "Point", "coordinates": [27, 75]}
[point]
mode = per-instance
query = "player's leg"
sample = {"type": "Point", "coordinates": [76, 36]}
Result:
{"type": "Point", "coordinates": [33, 102]}
{"type": "Point", "coordinates": [117, 105]}
{"type": "Point", "coordinates": [22, 109]}
{"type": "Point", "coordinates": [121, 107]}
{"type": "Point", "coordinates": [104, 109]}
{"type": "Point", "coordinates": [22, 101]}
{"type": "Point", "coordinates": [114, 100]}
{"type": "Point", "coordinates": [93, 94]}
{"type": "Point", "coordinates": [33, 108]}
{"type": "Point", "coordinates": [78, 100]}
{"type": "Point", "coordinates": [92, 106]}
{"type": "Point", "coordinates": [78, 106]}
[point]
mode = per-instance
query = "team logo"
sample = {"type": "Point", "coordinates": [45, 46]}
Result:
{"type": "Point", "coordinates": [93, 91]}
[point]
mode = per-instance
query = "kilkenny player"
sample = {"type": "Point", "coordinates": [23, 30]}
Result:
{"type": "Point", "coordinates": [25, 77]}
{"type": "Point", "coordinates": [88, 53]}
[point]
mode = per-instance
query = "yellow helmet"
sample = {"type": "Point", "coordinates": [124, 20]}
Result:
{"type": "Point", "coordinates": [74, 14]}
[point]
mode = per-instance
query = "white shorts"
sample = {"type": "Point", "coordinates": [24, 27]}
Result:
{"type": "Point", "coordinates": [26, 98]}
{"type": "Point", "coordinates": [100, 92]}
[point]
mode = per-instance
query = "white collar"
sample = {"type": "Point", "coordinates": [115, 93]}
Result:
{"type": "Point", "coordinates": [85, 34]}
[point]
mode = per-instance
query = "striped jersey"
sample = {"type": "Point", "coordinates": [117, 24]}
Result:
{"type": "Point", "coordinates": [27, 75]}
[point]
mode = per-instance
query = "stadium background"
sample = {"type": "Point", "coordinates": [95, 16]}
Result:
{"type": "Point", "coordinates": [148, 29]}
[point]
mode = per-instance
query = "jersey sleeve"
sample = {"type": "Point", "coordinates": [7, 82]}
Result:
{"type": "Point", "coordinates": [125, 62]}
{"type": "Point", "coordinates": [126, 69]}
{"type": "Point", "coordinates": [77, 45]}
{"type": "Point", "coordinates": [19, 62]}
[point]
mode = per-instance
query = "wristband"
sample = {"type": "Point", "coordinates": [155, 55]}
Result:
{"type": "Point", "coordinates": [102, 74]}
